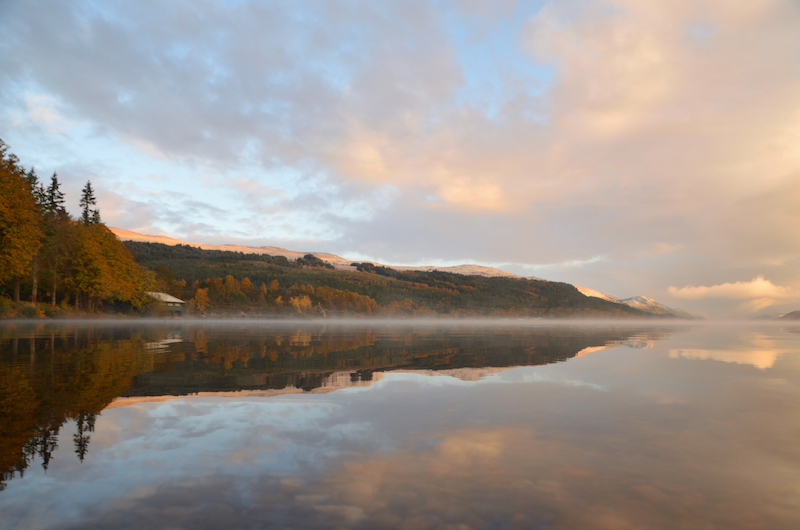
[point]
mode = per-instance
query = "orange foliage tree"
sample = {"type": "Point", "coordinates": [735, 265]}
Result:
{"type": "Point", "coordinates": [20, 223]}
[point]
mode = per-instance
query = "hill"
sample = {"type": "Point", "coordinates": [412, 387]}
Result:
{"type": "Point", "coordinates": [794, 315]}
{"type": "Point", "coordinates": [337, 262]}
{"type": "Point", "coordinates": [224, 281]}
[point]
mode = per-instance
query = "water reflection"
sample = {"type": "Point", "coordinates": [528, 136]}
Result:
{"type": "Point", "coordinates": [51, 373]}
{"type": "Point", "coordinates": [626, 434]}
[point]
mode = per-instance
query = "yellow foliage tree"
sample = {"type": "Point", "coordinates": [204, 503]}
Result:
{"type": "Point", "coordinates": [201, 299]}
{"type": "Point", "coordinates": [301, 303]}
{"type": "Point", "coordinates": [231, 286]}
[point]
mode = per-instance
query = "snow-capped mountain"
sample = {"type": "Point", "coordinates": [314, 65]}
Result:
{"type": "Point", "coordinates": [642, 303]}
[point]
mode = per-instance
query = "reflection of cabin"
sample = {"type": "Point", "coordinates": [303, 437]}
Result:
{"type": "Point", "coordinates": [175, 305]}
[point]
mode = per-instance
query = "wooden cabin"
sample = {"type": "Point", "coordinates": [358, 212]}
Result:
{"type": "Point", "coordinates": [175, 305]}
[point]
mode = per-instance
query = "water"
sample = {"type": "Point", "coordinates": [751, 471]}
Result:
{"type": "Point", "coordinates": [421, 425]}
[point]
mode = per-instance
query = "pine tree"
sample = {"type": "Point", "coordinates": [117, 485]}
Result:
{"type": "Point", "coordinates": [37, 190]}
{"type": "Point", "coordinates": [89, 215]}
{"type": "Point", "coordinates": [54, 198]}
{"type": "Point", "coordinates": [57, 227]}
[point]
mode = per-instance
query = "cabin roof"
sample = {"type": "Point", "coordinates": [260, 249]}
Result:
{"type": "Point", "coordinates": [164, 297]}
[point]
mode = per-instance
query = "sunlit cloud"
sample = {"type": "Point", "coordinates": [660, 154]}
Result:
{"type": "Point", "coordinates": [655, 134]}
{"type": "Point", "coordinates": [757, 294]}
{"type": "Point", "coordinates": [757, 288]}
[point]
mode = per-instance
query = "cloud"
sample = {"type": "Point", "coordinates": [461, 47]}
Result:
{"type": "Point", "coordinates": [656, 134]}
{"type": "Point", "coordinates": [762, 292]}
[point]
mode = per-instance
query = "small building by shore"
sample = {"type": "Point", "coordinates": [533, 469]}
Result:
{"type": "Point", "coordinates": [175, 305]}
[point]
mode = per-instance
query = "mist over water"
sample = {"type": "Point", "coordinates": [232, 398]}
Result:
{"type": "Point", "coordinates": [399, 424]}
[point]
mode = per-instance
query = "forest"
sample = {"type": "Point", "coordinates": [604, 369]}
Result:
{"type": "Point", "coordinates": [219, 282]}
{"type": "Point", "coordinates": [52, 264]}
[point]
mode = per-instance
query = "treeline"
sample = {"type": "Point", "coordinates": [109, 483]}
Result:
{"type": "Point", "coordinates": [228, 293]}
{"type": "Point", "coordinates": [48, 256]}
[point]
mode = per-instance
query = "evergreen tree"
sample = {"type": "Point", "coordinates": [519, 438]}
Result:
{"type": "Point", "coordinates": [89, 215]}
{"type": "Point", "coordinates": [57, 229]}
{"type": "Point", "coordinates": [54, 198]}
{"type": "Point", "coordinates": [37, 190]}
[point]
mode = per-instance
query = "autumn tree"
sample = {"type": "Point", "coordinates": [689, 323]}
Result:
{"type": "Point", "coordinates": [38, 192]}
{"type": "Point", "coordinates": [102, 269]}
{"type": "Point", "coordinates": [201, 300]}
{"type": "Point", "coordinates": [247, 287]}
{"type": "Point", "coordinates": [301, 303]}
{"type": "Point", "coordinates": [20, 223]}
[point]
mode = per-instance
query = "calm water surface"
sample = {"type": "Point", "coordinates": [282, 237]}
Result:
{"type": "Point", "coordinates": [435, 425]}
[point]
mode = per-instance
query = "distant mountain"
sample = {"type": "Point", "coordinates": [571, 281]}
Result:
{"type": "Point", "coordinates": [794, 315]}
{"type": "Point", "coordinates": [651, 306]}
{"type": "Point", "coordinates": [767, 316]}
{"type": "Point", "coordinates": [642, 303]}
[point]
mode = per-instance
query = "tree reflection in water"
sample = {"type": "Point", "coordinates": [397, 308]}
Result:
{"type": "Point", "coordinates": [51, 374]}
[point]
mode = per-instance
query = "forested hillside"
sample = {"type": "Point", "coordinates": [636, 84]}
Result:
{"type": "Point", "coordinates": [218, 282]}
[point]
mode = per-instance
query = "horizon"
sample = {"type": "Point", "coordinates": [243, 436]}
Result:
{"type": "Point", "coordinates": [632, 149]}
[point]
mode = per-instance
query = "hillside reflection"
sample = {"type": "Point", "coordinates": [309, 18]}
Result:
{"type": "Point", "coordinates": [55, 375]}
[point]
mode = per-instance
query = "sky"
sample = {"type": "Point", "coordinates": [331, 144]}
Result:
{"type": "Point", "coordinates": [637, 148]}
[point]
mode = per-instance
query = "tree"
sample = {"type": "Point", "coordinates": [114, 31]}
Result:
{"type": "Point", "coordinates": [58, 232]}
{"type": "Point", "coordinates": [40, 196]}
{"type": "Point", "coordinates": [37, 190]}
{"type": "Point", "coordinates": [300, 303]}
{"type": "Point", "coordinates": [201, 299]}
{"type": "Point", "coordinates": [247, 286]}
{"type": "Point", "coordinates": [102, 269]}
{"type": "Point", "coordinates": [54, 198]}
{"type": "Point", "coordinates": [89, 215]}
{"type": "Point", "coordinates": [20, 223]}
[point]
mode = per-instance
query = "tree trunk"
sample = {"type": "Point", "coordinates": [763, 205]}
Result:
{"type": "Point", "coordinates": [16, 289]}
{"type": "Point", "coordinates": [55, 282]}
{"type": "Point", "coordinates": [35, 287]}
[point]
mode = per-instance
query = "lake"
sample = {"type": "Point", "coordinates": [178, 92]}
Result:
{"type": "Point", "coordinates": [413, 425]}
